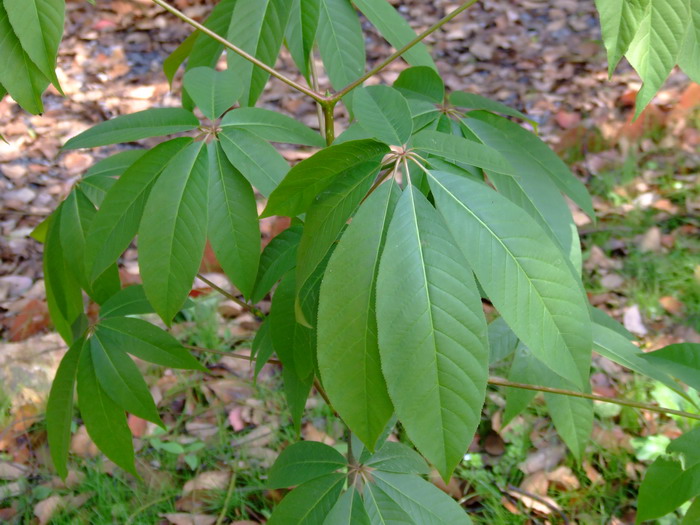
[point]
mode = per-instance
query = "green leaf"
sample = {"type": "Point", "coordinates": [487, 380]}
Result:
{"type": "Point", "coordinates": [146, 341]}
{"type": "Point", "coordinates": [117, 221]}
{"type": "Point", "coordinates": [396, 30]}
{"type": "Point", "coordinates": [474, 101]}
{"type": "Point", "coordinates": [619, 21]}
{"type": "Point", "coordinates": [128, 301]}
{"type": "Point", "coordinates": [104, 419]}
{"type": "Point", "coordinates": [573, 419]}
{"type": "Point", "coordinates": [341, 42]}
{"type": "Point", "coordinates": [173, 231]}
{"type": "Point", "coordinates": [301, 32]}
{"type": "Point", "coordinates": [234, 230]}
{"type": "Point", "coordinates": [273, 126]}
{"type": "Point", "coordinates": [423, 501]}
{"type": "Point", "coordinates": [19, 75]}
{"type": "Point", "coordinates": [666, 486]}
{"type": "Point", "coordinates": [692, 515]}
{"type": "Point", "coordinates": [502, 340]}
{"type": "Point", "coordinates": [349, 510]}
{"type": "Point", "coordinates": [600, 317]}
{"type": "Point", "coordinates": [39, 26]}
{"type": "Point", "coordinates": [121, 379]}
{"type": "Point", "coordinates": [327, 217]}
{"type": "Point", "coordinates": [292, 341]}
{"type": "Point", "coordinates": [278, 257]}
{"type": "Point", "coordinates": [532, 154]}
{"type": "Point", "coordinates": [381, 509]}
{"type": "Point", "coordinates": [680, 360]}
{"type": "Point", "coordinates": [262, 347]}
{"type": "Point", "coordinates": [59, 408]}
{"type": "Point", "coordinates": [654, 50]}
{"type": "Point", "coordinates": [114, 165]}
{"type": "Point", "coordinates": [421, 83]}
{"type": "Point", "coordinates": [689, 56]}
{"type": "Point", "coordinates": [152, 122]}
{"type": "Point", "coordinates": [532, 189]}
{"type": "Point", "coordinates": [348, 350]}
{"type": "Point", "coordinates": [432, 333]}
{"type": "Point", "coordinates": [309, 503]}
{"type": "Point", "coordinates": [398, 458]}
{"type": "Point", "coordinates": [296, 391]}
{"type": "Point", "coordinates": [63, 293]}
{"type": "Point", "coordinates": [383, 113]}
{"type": "Point", "coordinates": [257, 160]}
{"type": "Point", "coordinates": [523, 272]}
{"type": "Point", "coordinates": [96, 188]}
{"type": "Point", "coordinates": [308, 178]}
{"type": "Point", "coordinates": [213, 91]}
{"type": "Point", "coordinates": [522, 370]}
{"type": "Point", "coordinates": [259, 30]}
{"type": "Point", "coordinates": [460, 149]}
{"type": "Point", "coordinates": [175, 59]}
{"type": "Point", "coordinates": [302, 462]}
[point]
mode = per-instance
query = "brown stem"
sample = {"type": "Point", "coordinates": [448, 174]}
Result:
{"type": "Point", "coordinates": [340, 94]}
{"type": "Point", "coordinates": [262, 65]}
{"type": "Point", "coordinates": [248, 307]}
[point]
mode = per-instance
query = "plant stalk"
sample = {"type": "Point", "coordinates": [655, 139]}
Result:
{"type": "Point", "coordinates": [250, 58]}
{"type": "Point", "coordinates": [248, 307]}
{"type": "Point", "coordinates": [340, 94]}
{"type": "Point", "coordinates": [329, 121]}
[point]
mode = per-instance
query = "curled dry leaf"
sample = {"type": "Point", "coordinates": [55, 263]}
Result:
{"type": "Point", "coordinates": [564, 478]}
{"type": "Point", "coordinates": [181, 518]}
{"type": "Point", "coordinates": [207, 481]}
{"type": "Point", "coordinates": [311, 433]}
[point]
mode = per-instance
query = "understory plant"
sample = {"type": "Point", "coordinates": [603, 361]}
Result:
{"type": "Point", "coordinates": [426, 207]}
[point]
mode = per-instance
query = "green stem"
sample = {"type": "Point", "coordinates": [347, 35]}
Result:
{"type": "Point", "coordinates": [496, 381]}
{"type": "Point", "coordinates": [315, 87]}
{"type": "Point", "coordinates": [262, 65]}
{"type": "Point", "coordinates": [340, 94]}
{"type": "Point", "coordinates": [227, 501]}
{"type": "Point", "coordinates": [249, 307]}
{"type": "Point", "coordinates": [329, 121]}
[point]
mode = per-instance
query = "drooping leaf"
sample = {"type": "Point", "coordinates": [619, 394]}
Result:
{"type": "Point", "coordinates": [665, 487]}
{"type": "Point", "coordinates": [273, 126]}
{"type": "Point", "coordinates": [212, 91]}
{"type": "Point", "coordinates": [341, 42]}
{"type": "Point", "coordinates": [302, 462]}
{"type": "Point", "coordinates": [306, 306]}
{"type": "Point", "coordinates": [460, 149]}
{"type": "Point", "coordinates": [19, 75]}
{"type": "Point", "coordinates": [522, 271]}
{"type": "Point", "coordinates": [656, 45]}
{"type": "Point", "coordinates": [432, 333]}
{"type": "Point", "coordinates": [383, 112]}
{"type": "Point", "coordinates": [522, 370]}
{"type": "Point", "coordinates": [234, 230]}
{"type": "Point", "coordinates": [327, 217]}
{"type": "Point", "coordinates": [259, 30]}
{"type": "Point", "coordinates": [396, 30]}
{"type": "Point", "coordinates": [121, 379]}
{"type": "Point", "coordinates": [301, 32]}
{"type": "Point", "coordinates": [680, 360]}
{"type": "Point", "coordinates": [422, 83]}
{"type": "Point", "coordinates": [39, 26]}
{"type": "Point", "coordinates": [296, 391]}
{"type": "Point", "coordinates": [348, 351]}
{"type": "Point", "coordinates": [423, 502]}
{"type": "Point", "coordinates": [117, 221]}
{"type": "Point", "coordinates": [502, 340]}
{"type": "Point", "coordinates": [257, 160]}
{"type": "Point", "coordinates": [474, 101]}
{"type": "Point", "coordinates": [146, 341]}
{"type": "Point", "coordinates": [278, 257]}
{"type": "Point", "coordinates": [529, 153]}
{"type": "Point", "coordinates": [173, 231]}
{"type": "Point", "coordinates": [573, 419]}
{"type": "Point", "coordinates": [309, 503]}
{"type": "Point", "coordinates": [128, 301]}
{"type": "Point", "coordinates": [262, 347]}
{"type": "Point", "coordinates": [308, 178]}
{"type": "Point", "coordinates": [689, 56]}
{"type": "Point", "coordinates": [619, 21]}
{"type": "Point", "coordinates": [152, 122]}
{"type": "Point", "coordinates": [349, 510]}
{"type": "Point", "coordinates": [59, 408]}
{"type": "Point", "coordinates": [175, 59]}
{"type": "Point", "coordinates": [104, 419]}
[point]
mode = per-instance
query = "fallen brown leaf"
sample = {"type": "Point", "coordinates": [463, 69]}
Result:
{"type": "Point", "coordinates": [672, 305]}
{"type": "Point", "coordinates": [181, 518]}
{"type": "Point", "coordinates": [207, 481]}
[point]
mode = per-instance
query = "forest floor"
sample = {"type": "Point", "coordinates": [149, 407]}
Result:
{"type": "Point", "coordinates": [642, 265]}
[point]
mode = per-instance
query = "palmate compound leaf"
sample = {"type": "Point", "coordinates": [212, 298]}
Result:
{"type": "Point", "coordinates": [432, 333]}
{"type": "Point", "coordinates": [301, 32]}
{"type": "Point", "coordinates": [278, 257]}
{"type": "Point", "coordinates": [619, 21]}
{"type": "Point", "coordinates": [233, 230]}
{"type": "Point", "coordinates": [421, 83]}
{"type": "Point", "coordinates": [474, 101]}
{"type": "Point", "coordinates": [309, 503]}
{"type": "Point", "coordinates": [104, 419]}
{"type": "Point", "coordinates": [302, 462]}
{"type": "Point", "coordinates": [258, 29]}
{"type": "Point", "coordinates": [152, 122]}
{"type": "Point", "coordinates": [341, 42]}
{"type": "Point", "coordinates": [59, 409]}
{"type": "Point", "coordinates": [383, 113]}
{"type": "Point", "coordinates": [348, 351]}
{"type": "Point", "coordinates": [273, 126]}
{"type": "Point", "coordinates": [307, 179]}
{"type": "Point", "coordinates": [348, 510]}
{"type": "Point", "coordinates": [689, 57]}
{"type": "Point", "coordinates": [212, 91]}
{"type": "Point", "coordinates": [522, 270]}
{"type": "Point", "coordinates": [117, 221]}
{"type": "Point", "coordinates": [173, 231]}
{"type": "Point", "coordinates": [679, 360]}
